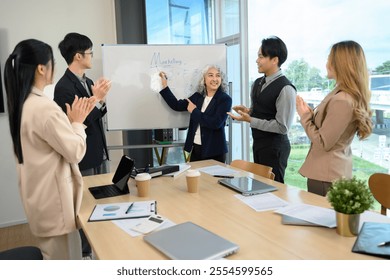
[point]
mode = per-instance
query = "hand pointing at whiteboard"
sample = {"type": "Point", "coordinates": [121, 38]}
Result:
{"type": "Point", "coordinates": [207, 105]}
{"type": "Point", "coordinates": [164, 79]}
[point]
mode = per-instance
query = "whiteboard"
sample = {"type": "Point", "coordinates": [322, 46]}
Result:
{"type": "Point", "coordinates": [131, 102]}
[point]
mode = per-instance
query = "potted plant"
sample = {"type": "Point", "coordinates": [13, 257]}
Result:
{"type": "Point", "coordinates": [349, 198]}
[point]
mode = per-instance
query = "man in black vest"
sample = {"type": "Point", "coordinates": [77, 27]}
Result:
{"type": "Point", "coordinates": [272, 110]}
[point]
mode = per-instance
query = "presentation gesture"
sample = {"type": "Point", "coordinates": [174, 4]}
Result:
{"type": "Point", "coordinates": [101, 88]}
{"type": "Point", "coordinates": [164, 79]}
{"type": "Point", "coordinates": [80, 108]}
{"type": "Point", "coordinates": [243, 113]}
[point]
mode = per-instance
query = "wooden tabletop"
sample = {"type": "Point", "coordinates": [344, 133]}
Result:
{"type": "Point", "coordinates": [260, 235]}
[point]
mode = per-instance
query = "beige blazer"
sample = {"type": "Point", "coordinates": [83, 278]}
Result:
{"type": "Point", "coordinates": [50, 182]}
{"type": "Point", "coordinates": [331, 129]}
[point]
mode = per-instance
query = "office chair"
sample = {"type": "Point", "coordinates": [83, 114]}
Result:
{"type": "Point", "coordinates": [22, 253]}
{"type": "Point", "coordinates": [255, 168]}
{"type": "Point", "coordinates": [379, 184]}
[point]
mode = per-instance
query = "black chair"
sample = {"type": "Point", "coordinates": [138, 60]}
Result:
{"type": "Point", "coordinates": [22, 253]}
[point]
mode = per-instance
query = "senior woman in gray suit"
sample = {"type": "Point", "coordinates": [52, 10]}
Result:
{"type": "Point", "coordinates": [343, 113]}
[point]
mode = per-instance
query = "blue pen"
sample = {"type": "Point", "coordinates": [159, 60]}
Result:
{"type": "Point", "coordinates": [128, 209]}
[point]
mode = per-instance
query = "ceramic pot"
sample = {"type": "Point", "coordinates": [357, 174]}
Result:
{"type": "Point", "coordinates": [347, 224]}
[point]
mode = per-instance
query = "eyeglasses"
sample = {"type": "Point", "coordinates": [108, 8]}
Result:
{"type": "Point", "coordinates": [91, 53]}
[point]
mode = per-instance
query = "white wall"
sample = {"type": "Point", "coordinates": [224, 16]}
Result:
{"type": "Point", "coordinates": [49, 21]}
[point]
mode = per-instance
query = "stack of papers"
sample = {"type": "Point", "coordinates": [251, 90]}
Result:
{"type": "Point", "coordinates": [218, 170]}
{"type": "Point", "coordinates": [262, 202]}
{"type": "Point", "coordinates": [314, 215]}
{"type": "Point", "coordinates": [127, 224]}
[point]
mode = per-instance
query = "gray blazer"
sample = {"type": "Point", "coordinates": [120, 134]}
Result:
{"type": "Point", "coordinates": [331, 129]}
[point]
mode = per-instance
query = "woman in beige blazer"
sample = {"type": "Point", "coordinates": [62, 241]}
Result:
{"type": "Point", "coordinates": [48, 145]}
{"type": "Point", "coordinates": [343, 113]}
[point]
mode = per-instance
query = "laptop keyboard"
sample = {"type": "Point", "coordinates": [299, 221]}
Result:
{"type": "Point", "coordinates": [106, 191]}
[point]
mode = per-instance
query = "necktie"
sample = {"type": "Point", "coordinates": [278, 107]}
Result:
{"type": "Point", "coordinates": [260, 86]}
{"type": "Point", "coordinates": [84, 83]}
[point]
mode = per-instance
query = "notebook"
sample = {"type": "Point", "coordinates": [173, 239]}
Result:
{"type": "Point", "coordinates": [120, 179]}
{"type": "Point", "coordinates": [246, 185]}
{"type": "Point", "coordinates": [372, 240]}
{"type": "Point", "coordinates": [188, 241]}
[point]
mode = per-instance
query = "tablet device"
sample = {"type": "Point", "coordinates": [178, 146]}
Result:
{"type": "Point", "coordinates": [119, 181]}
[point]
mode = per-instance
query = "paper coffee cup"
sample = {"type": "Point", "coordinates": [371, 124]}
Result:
{"type": "Point", "coordinates": [192, 177]}
{"type": "Point", "coordinates": [142, 181]}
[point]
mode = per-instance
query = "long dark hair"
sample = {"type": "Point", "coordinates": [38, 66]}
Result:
{"type": "Point", "coordinates": [19, 74]}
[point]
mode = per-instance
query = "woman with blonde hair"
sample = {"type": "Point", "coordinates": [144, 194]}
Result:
{"type": "Point", "coordinates": [344, 113]}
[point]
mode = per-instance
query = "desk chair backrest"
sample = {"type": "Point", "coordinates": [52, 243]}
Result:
{"type": "Point", "coordinates": [379, 184]}
{"type": "Point", "coordinates": [255, 168]}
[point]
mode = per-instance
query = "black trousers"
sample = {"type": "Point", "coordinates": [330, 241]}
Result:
{"type": "Point", "coordinates": [196, 155]}
{"type": "Point", "coordinates": [273, 152]}
{"type": "Point", "coordinates": [101, 169]}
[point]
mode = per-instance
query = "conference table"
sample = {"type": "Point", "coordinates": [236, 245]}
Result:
{"type": "Point", "coordinates": [260, 235]}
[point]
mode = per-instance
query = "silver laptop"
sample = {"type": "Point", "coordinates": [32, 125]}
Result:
{"type": "Point", "coordinates": [247, 185]}
{"type": "Point", "coordinates": [188, 241]}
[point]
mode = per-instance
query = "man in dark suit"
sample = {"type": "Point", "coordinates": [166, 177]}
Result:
{"type": "Point", "coordinates": [77, 52]}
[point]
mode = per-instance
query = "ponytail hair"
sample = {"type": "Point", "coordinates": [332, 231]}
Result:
{"type": "Point", "coordinates": [19, 74]}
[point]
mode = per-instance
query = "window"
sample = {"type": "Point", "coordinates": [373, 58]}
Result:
{"type": "Point", "coordinates": [178, 22]}
{"type": "Point", "coordinates": [309, 28]}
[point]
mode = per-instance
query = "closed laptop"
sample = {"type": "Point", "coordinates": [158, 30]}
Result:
{"type": "Point", "coordinates": [188, 241]}
{"type": "Point", "coordinates": [247, 185]}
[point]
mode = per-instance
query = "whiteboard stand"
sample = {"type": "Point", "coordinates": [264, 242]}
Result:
{"type": "Point", "coordinates": [161, 157]}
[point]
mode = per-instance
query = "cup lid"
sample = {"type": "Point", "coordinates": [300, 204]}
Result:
{"type": "Point", "coordinates": [193, 173]}
{"type": "Point", "coordinates": [143, 177]}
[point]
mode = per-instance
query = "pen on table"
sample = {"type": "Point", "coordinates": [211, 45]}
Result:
{"type": "Point", "coordinates": [223, 176]}
{"type": "Point", "coordinates": [128, 209]}
{"type": "Point", "coordinates": [382, 244]}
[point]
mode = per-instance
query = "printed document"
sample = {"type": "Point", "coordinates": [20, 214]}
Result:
{"type": "Point", "coordinates": [310, 213]}
{"type": "Point", "coordinates": [262, 202]}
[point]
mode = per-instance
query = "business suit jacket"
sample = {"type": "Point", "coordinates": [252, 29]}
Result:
{"type": "Point", "coordinates": [212, 120]}
{"type": "Point", "coordinates": [50, 182]}
{"type": "Point", "coordinates": [65, 90]}
{"type": "Point", "coordinates": [331, 130]}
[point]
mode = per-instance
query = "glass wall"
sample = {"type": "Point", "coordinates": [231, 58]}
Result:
{"type": "Point", "coordinates": [178, 22]}
{"type": "Point", "coordinates": [309, 28]}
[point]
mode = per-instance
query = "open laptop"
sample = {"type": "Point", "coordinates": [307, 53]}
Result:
{"type": "Point", "coordinates": [120, 179]}
{"type": "Point", "coordinates": [188, 241]}
{"type": "Point", "coordinates": [246, 185]}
